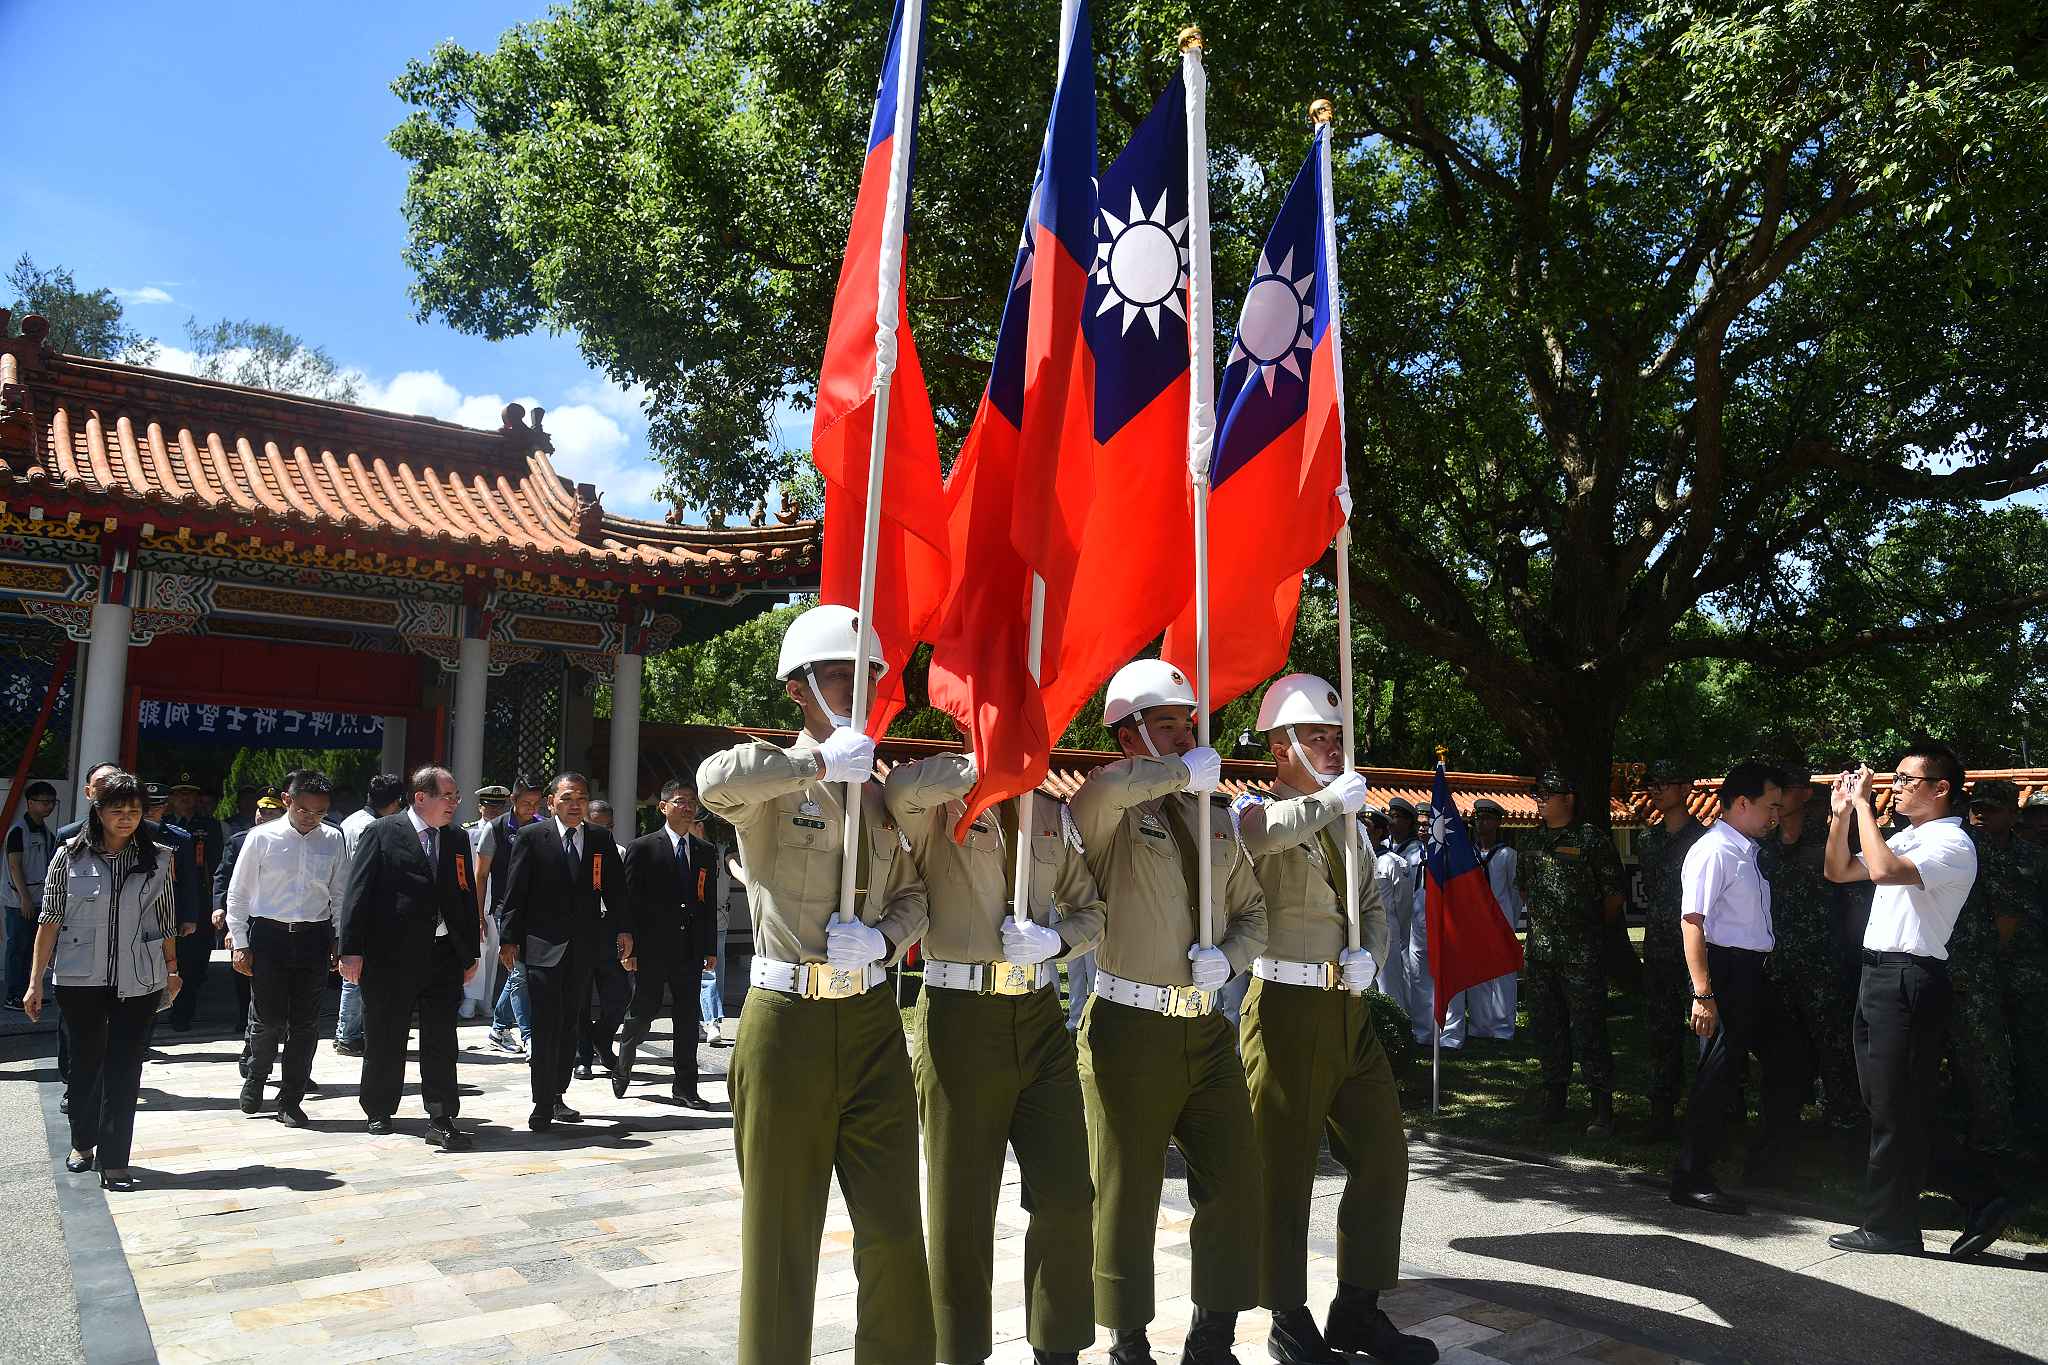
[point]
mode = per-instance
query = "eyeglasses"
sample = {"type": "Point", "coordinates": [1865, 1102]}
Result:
{"type": "Point", "coordinates": [1908, 779]}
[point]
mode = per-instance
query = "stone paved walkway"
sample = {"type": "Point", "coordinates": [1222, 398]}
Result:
{"type": "Point", "coordinates": [616, 1241]}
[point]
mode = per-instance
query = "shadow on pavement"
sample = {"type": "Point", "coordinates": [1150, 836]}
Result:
{"type": "Point", "coordinates": [1505, 1181]}
{"type": "Point", "coordinates": [240, 1178]}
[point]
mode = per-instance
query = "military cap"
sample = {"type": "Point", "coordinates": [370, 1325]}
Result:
{"type": "Point", "coordinates": [1401, 805]}
{"type": "Point", "coordinates": [1994, 791]}
{"type": "Point", "coordinates": [1551, 782]}
{"type": "Point", "coordinates": [268, 802]}
{"type": "Point", "coordinates": [494, 792]}
{"type": "Point", "coordinates": [1370, 811]}
{"type": "Point", "coordinates": [1486, 805]}
{"type": "Point", "coordinates": [186, 784]}
{"type": "Point", "coordinates": [1665, 770]}
{"type": "Point", "coordinates": [2039, 800]}
{"type": "Point", "coordinates": [155, 793]}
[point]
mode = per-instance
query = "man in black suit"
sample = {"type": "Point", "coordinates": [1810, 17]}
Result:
{"type": "Point", "coordinates": [672, 885]}
{"type": "Point", "coordinates": [409, 938]}
{"type": "Point", "coordinates": [565, 904]}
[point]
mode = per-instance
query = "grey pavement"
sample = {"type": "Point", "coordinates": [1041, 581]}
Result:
{"type": "Point", "coordinates": [39, 1311]}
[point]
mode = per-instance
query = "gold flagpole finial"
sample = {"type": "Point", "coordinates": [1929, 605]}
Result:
{"type": "Point", "coordinates": [1443, 753]}
{"type": "Point", "coordinates": [1322, 111]}
{"type": "Point", "coordinates": [1190, 37]}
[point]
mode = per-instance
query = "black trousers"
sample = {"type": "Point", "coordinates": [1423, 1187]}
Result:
{"type": "Point", "coordinates": [611, 988]}
{"type": "Point", "coordinates": [676, 973]}
{"type": "Point", "coordinates": [1902, 1008]}
{"type": "Point", "coordinates": [393, 987]}
{"type": "Point", "coordinates": [288, 971]}
{"type": "Point", "coordinates": [195, 954]}
{"type": "Point", "coordinates": [558, 1000]}
{"type": "Point", "coordinates": [105, 1037]}
{"type": "Point", "coordinates": [1744, 1026]}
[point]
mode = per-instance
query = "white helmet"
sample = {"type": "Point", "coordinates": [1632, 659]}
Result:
{"type": "Point", "coordinates": [1299, 699]}
{"type": "Point", "coordinates": [1143, 684]}
{"type": "Point", "coordinates": [825, 634]}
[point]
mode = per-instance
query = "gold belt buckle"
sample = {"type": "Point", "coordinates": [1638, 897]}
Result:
{"type": "Point", "coordinates": [1332, 978]}
{"type": "Point", "coordinates": [1187, 1002]}
{"type": "Point", "coordinates": [1007, 978]}
{"type": "Point", "coordinates": [823, 981]}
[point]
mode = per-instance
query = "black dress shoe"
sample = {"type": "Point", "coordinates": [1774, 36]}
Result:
{"type": "Point", "coordinates": [564, 1114]}
{"type": "Point", "coordinates": [542, 1118]}
{"type": "Point", "coordinates": [290, 1115]}
{"type": "Point", "coordinates": [1863, 1239]}
{"type": "Point", "coordinates": [1708, 1200]}
{"type": "Point", "coordinates": [619, 1082]}
{"type": "Point", "coordinates": [1357, 1325]}
{"type": "Point", "coordinates": [252, 1098]}
{"type": "Point", "coordinates": [1040, 1357]}
{"type": "Point", "coordinates": [78, 1162]}
{"type": "Point", "coordinates": [1128, 1346]}
{"type": "Point", "coordinates": [1984, 1228]}
{"type": "Point", "coordinates": [1296, 1340]}
{"type": "Point", "coordinates": [379, 1126]}
{"type": "Point", "coordinates": [689, 1099]}
{"type": "Point", "coordinates": [242, 1066]}
{"type": "Point", "coordinates": [444, 1134]}
{"type": "Point", "coordinates": [584, 1073]}
{"type": "Point", "coordinates": [120, 1182]}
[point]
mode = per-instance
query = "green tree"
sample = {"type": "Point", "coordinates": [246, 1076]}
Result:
{"type": "Point", "coordinates": [82, 321]}
{"type": "Point", "coordinates": [264, 356]}
{"type": "Point", "coordinates": [1663, 320]}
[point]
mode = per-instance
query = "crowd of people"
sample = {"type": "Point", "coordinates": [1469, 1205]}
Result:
{"type": "Point", "coordinates": [1800, 929]}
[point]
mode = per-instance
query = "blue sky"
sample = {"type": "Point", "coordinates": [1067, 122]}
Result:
{"type": "Point", "coordinates": [227, 159]}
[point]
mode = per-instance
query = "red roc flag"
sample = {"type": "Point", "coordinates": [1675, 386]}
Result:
{"type": "Point", "coordinates": [1470, 940]}
{"type": "Point", "coordinates": [869, 343]}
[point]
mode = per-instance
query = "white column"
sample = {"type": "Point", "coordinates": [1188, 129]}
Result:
{"type": "Point", "coordinates": [467, 761]}
{"type": "Point", "coordinates": [392, 760]}
{"type": "Point", "coordinates": [105, 700]}
{"type": "Point", "coordinates": [623, 785]}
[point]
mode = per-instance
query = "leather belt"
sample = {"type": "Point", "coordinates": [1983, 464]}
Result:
{"type": "Point", "coordinates": [290, 926]}
{"type": "Point", "coordinates": [989, 978]}
{"type": "Point", "coordinates": [816, 980]}
{"type": "Point", "coordinates": [1175, 1002]}
{"type": "Point", "coordinates": [1324, 976]}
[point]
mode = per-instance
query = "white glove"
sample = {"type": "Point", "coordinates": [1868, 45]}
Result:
{"type": "Point", "coordinates": [1347, 791]}
{"type": "Point", "coordinates": [849, 756]}
{"type": "Point", "coordinates": [1205, 770]}
{"type": "Point", "coordinates": [1212, 968]}
{"type": "Point", "coordinates": [850, 944]}
{"type": "Point", "coordinates": [1358, 969]}
{"type": "Point", "coordinates": [1027, 942]}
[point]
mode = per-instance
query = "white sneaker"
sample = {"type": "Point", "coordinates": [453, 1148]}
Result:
{"type": "Point", "coordinates": [502, 1039]}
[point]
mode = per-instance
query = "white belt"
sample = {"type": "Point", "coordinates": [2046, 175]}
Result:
{"type": "Point", "coordinates": [1175, 1002]}
{"type": "Point", "coordinates": [816, 980]}
{"type": "Point", "coordinates": [1323, 976]}
{"type": "Point", "coordinates": [988, 978]}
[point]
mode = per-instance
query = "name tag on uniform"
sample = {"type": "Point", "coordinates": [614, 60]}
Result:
{"type": "Point", "coordinates": [1150, 826]}
{"type": "Point", "coordinates": [803, 823]}
{"type": "Point", "coordinates": [1568, 851]}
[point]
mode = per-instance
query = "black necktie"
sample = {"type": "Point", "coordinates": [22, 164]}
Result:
{"type": "Point", "coordinates": [569, 842]}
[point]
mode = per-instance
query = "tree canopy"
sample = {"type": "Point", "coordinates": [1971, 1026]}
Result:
{"type": "Point", "coordinates": [82, 321]}
{"type": "Point", "coordinates": [1678, 336]}
{"type": "Point", "coordinates": [265, 356]}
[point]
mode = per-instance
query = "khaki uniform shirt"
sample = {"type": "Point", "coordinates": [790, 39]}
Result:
{"type": "Point", "coordinates": [1305, 919]}
{"type": "Point", "coordinates": [788, 822]}
{"type": "Point", "coordinates": [1121, 813]}
{"type": "Point", "coordinates": [971, 884]}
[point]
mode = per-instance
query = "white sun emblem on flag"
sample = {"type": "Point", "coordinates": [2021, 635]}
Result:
{"type": "Point", "coordinates": [1439, 827]}
{"type": "Point", "coordinates": [1142, 263]}
{"type": "Point", "coordinates": [1278, 312]}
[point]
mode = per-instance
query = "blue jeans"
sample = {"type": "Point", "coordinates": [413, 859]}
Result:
{"type": "Point", "coordinates": [711, 994]}
{"type": "Point", "coordinates": [512, 1008]}
{"type": "Point", "coordinates": [349, 1027]}
{"type": "Point", "coordinates": [21, 939]}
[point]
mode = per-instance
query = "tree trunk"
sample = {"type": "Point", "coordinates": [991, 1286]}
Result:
{"type": "Point", "coordinates": [1585, 755]}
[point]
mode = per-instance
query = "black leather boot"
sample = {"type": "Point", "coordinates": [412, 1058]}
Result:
{"type": "Point", "coordinates": [1296, 1340]}
{"type": "Point", "coordinates": [1128, 1346]}
{"type": "Point", "coordinates": [1041, 1357]}
{"type": "Point", "coordinates": [1357, 1324]}
{"type": "Point", "coordinates": [1210, 1336]}
{"type": "Point", "coordinates": [1553, 1104]}
{"type": "Point", "coordinates": [1602, 1124]}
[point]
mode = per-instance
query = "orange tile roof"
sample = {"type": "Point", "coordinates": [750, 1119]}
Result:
{"type": "Point", "coordinates": [1705, 805]}
{"type": "Point", "coordinates": [106, 439]}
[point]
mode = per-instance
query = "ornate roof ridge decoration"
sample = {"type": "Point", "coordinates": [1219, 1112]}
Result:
{"type": "Point", "coordinates": [109, 443]}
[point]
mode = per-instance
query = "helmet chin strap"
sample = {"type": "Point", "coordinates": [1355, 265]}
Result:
{"type": "Point", "coordinates": [1145, 734]}
{"type": "Point", "coordinates": [1301, 757]}
{"type": "Point", "coordinates": [811, 680]}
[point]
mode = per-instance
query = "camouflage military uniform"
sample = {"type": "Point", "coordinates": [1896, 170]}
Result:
{"type": "Point", "coordinates": [1567, 875]}
{"type": "Point", "coordinates": [1981, 1043]}
{"type": "Point", "coordinates": [1801, 969]}
{"type": "Point", "coordinates": [1667, 988]}
{"type": "Point", "coordinates": [2014, 879]}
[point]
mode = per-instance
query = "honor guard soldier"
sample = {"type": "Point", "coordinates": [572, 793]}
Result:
{"type": "Point", "coordinates": [994, 1061]}
{"type": "Point", "coordinates": [1667, 990]}
{"type": "Point", "coordinates": [1310, 1049]}
{"type": "Point", "coordinates": [1571, 884]}
{"type": "Point", "coordinates": [1158, 1061]}
{"type": "Point", "coordinates": [821, 1076]}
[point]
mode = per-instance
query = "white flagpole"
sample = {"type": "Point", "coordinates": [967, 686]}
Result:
{"type": "Point", "coordinates": [1323, 114]}
{"type": "Point", "coordinates": [1201, 421]}
{"type": "Point", "coordinates": [888, 283]}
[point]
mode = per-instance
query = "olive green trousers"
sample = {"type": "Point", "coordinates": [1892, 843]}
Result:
{"type": "Point", "coordinates": [820, 1086]}
{"type": "Point", "coordinates": [996, 1071]}
{"type": "Point", "coordinates": [1146, 1079]}
{"type": "Point", "coordinates": [1316, 1066]}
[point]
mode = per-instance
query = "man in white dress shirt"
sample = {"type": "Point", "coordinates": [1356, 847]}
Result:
{"type": "Point", "coordinates": [287, 885]}
{"type": "Point", "coordinates": [1492, 1005]}
{"type": "Point", "coordinates": [1725, 919]}
{"type": "Point", "coordinates": [1923, 875]}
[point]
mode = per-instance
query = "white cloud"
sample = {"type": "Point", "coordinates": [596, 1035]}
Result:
{"type": "Point", "coordinates": [149, 293]}
{"type": "Point", "coordinates": [176, 359]}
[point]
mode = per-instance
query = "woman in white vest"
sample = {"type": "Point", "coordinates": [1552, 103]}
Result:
{"type": "Point", "coordinates": [108, 926]}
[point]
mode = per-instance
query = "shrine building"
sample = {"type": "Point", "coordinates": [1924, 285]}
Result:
{"type": "Point", "coordinates": [204, 555]}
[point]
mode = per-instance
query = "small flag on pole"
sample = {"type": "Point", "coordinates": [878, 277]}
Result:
{"type": "Point", "coordinates": [1470, 942]}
